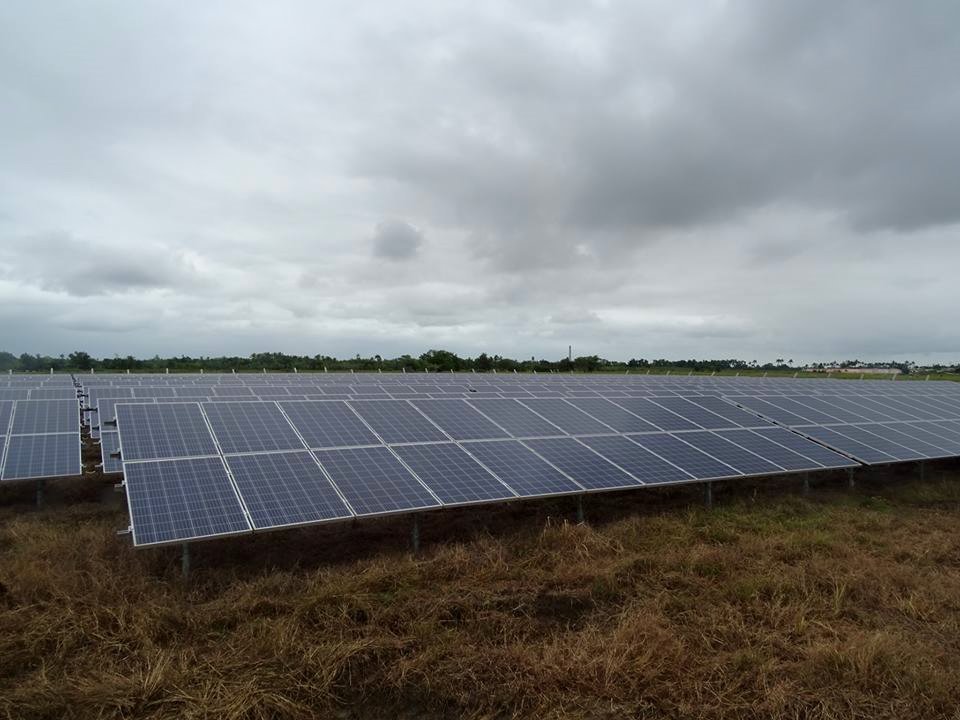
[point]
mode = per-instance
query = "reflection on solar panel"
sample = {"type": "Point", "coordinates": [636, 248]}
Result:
{"type": "Point", "coordinates": [283, 489]}
{"type": "Point", "coordinates": [396, 421]}
{"type": "Point", "coordinates": [817, 453]}
{"type": "Point", "coordinates": [685, 456]}
{"type": "Point", "coordinates": [588, 468]}
{"type": "Point", "coordinates": [639, 462]}
{"type": "Point", "coordinates": [241, 427]}
{"type": "Point", "coordinates": [567, 417]}
{"type": "Point", "coordinates": [328, 424]}
{"type": "Point", "coordinates": [659, 416]}
{"type": "Point", "coordinates": [42, 456]}
{"type": "Point", "coordinates": [374, 482]}
{"type": "Point", "coordinates": [452, 474]}
{"type": "Point", "coordinates": [613, 415]}
{"type": "Point", "coordinates": [176, 500]}
{"type": "Point", "coordinates": [516, 419]}
{"type": "Point", "coordinates": [154, 431]}
{"type": "Point", "coordinates": [459, 420]}
{"type": "Point", "coordinates": [694, 413]}
{"type": "Point", "coordinates": [733, 455]}
{"type": "Point", "coordinates": [523, 470]}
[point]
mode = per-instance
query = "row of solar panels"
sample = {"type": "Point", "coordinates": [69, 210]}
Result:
{"type": "Point", "coordinates": [39, 439]}
{"type": "Point", "coordinates": [35, 393]}
{"type": "Point", "coordinates": [872, 430]}
{"type": "Point", "coordinates": [197, 470]}
{"type": "Point", "coordinates": [331, 424]}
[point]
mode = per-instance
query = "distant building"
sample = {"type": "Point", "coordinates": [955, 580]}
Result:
{"type": "Point", "coordinates": [868, 371]}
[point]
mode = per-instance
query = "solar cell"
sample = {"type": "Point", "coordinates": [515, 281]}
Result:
{"type": "Point", "coordinates": [660, 417]}
{"type": "Point", "coordinates": [459, 420]}
{"type": "Point", "coordinates": [42, 456]}
{"type": "Point", "coordinates": [250, 427]}
{"type": "Point", "coordinates": [36, 417]}
{"type": "Point", "coordinates": [397, 421]}
{"type": "Point", "coordinates": [170, 430]}
{"type": "Point", "coordinates": [453, 475]}
{"type": "Point", "coordinates": [613, 415]}
{"type": "Point", "coordinates": [328, 424]}
{"type": "Point", "coordinates": [685, 456]}
{"type": "Point", "coordinates": [178, 500]}
{"type": "Point", "coordinates": [282, 489]}
{"type": "Point", "coordinates": [581, 463]}
{"type": "Point", "coordinates": [516, 419]}
{"type": "Point", "coordinates": [733, 455]}
{"type": "Point", "coordinates": [522, 469]}
{"type": "Point", "coordinates": [639, 462]}
{"type": "Point", "coordinates": [374, 481]}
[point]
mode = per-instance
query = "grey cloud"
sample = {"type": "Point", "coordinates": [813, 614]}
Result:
{"type": "Point", "coordinates": [396, 240]}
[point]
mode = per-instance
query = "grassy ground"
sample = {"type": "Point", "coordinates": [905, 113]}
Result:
{"type": "Point", "coordinates": [843, 604]}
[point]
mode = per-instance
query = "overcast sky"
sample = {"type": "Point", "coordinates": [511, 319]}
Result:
{"type": "Point", "coordinates": [711, 179]}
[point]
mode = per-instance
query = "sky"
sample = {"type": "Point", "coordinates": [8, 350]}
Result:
{"type": "Point", "coordinates": [744, 179]}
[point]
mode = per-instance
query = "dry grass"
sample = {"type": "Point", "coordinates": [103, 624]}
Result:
{"type": "Point", "coordinates": [843, 605]}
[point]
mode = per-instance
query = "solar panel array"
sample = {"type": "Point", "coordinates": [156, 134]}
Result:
{"type": "Point", "coordinates": [271, 464]}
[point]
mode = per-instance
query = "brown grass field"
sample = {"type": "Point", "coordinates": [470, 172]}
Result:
{"type": "Point", "coordinates": [840, 604]}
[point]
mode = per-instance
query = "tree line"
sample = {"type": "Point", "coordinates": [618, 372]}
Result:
{"type": "Point", "coordinates": [430, 361]}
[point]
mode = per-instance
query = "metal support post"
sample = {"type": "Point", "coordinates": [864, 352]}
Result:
{"type": "Point", "coordinates": [41, 486]}
{"type": "Point", "coordinates": [580, 516]}
{"type": "Point", "coordinates": [708, 494]}
{"type": "Point", "coordinates": [185, 560]}
{"type": "Point", "coordinates": [415, 535]}
{"type": "Point", "coordinates": [806, 483]}
{"type": "Point", "coordinates": [851, 482]}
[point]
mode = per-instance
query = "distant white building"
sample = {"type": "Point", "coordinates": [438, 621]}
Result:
{"type": "Point", "coordinates": [868, 371]}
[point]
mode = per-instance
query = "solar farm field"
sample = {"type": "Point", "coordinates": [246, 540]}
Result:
{"type": "Point", "coordinates": [274, 546]}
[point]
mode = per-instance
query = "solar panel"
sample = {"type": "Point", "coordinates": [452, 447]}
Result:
{"type": "Point", "coordinates": [40, 417]}
{"type": "Point", "coordinates": [947, 437]}
{"type": "Point", "coordinates": [613, 415]}
{"type": "Point", "coordinates": [110, 444]}
{"type": "Point", "coordinates": [696, 414]}
{"type": "Point", "coordinates": [522, 469]}
{"type": "Point", "coordinates": [581, 463]}
{"type": "Point", "coordinates": [768, 409]}
{"type": "Point", "coordinates": [890, 433]}
{"type": "Point", "coordinates": [459, 420]}
{"type": "Point", "coordinates": [767, 448]}
{"type": "Point", "coordinates": [170, 430]}
{"type": "Point", "coordinates": [516, 419]}
{"type": "Point", "coordinates": [685, 456]}
{"type": "Point", "coordinates": [283, 489]}
{"type": "Point", "coordinates": [374, 482]}
{"type": "Point", "coordinates": [42, 456]}
{"type": "Point", "coordinates": [6, 411]}
{"type": "Point", "coordinates": [830, 408]}
{"type": "Point", "coordinates": [817, 453]}
{"type": "Point", "coordinates": [567, 416]}
{"type": "Point", "coordinates": [453, 475]}
{"type": "Point", "coordinates": [733, 455]}
{"type": "Point", "coordinates": [846, 444]}
{"type": "Point", "coordinates": [328, 424]}
{"type": "Point", "coordinates": [241, 427]}
{"type": "Point", "coordinates": [397, 421]}
{"type": "Point", "coordinates": [639, 462]}
{"type": "Point", "coordinates": [660, 417]}
{"type": "Point", "coordinates": [726, 410]}
{"type": "Point", "coordinates": [178, 500]}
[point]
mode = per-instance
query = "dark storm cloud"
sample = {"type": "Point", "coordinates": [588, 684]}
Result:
{"type": "Point", "coordinates": [396, 240]}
